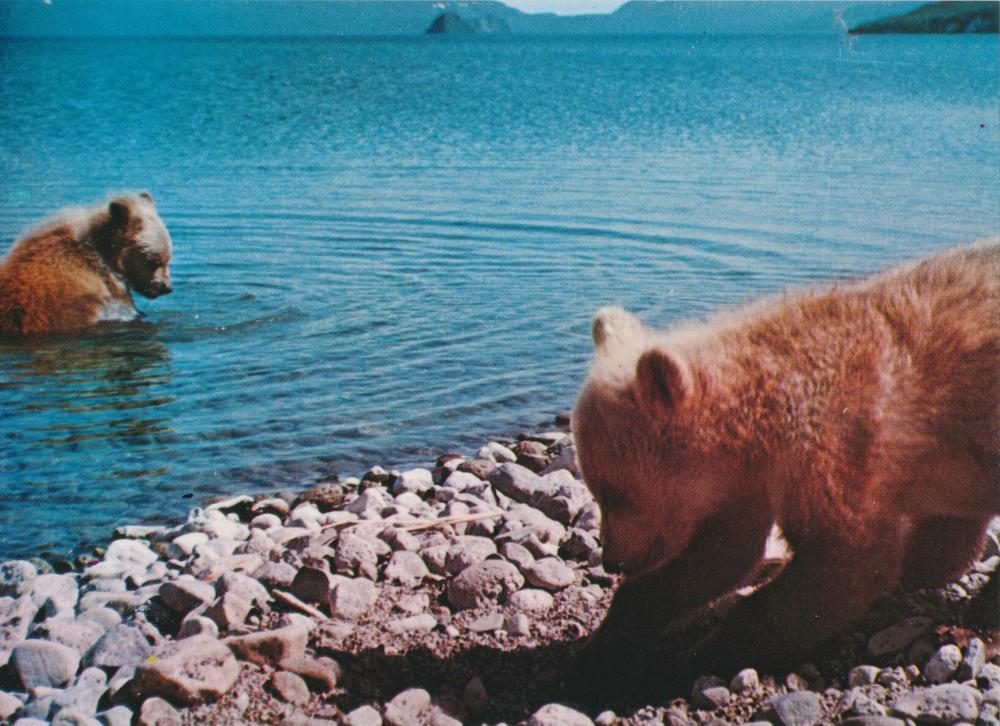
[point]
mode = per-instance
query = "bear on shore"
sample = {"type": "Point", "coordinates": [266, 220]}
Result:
{"type": "Point", "coordinates": [80, 266]}
{"type": "Point", "coordinates": [861, 418]}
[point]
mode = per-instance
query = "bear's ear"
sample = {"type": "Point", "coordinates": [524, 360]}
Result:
{"type": "Point", "coordinates": [613, 327]}
{"type": "Point", "coordinates": [147, 196]}
{"type": "Point", "coordinates": [119, 211]}
{"type": "Point", "coordinates": [662, 383]}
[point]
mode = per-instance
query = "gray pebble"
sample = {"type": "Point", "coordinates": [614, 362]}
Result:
{"type": "Point", "coordinates": [519, 625]}
{"type": "Point", "coordinates": [356, 556]}
{"type": "Point", "coordinates": [117, 716]}
{"type": "Point", "coordinates": [186, 593]}
{"type": "Point", "coordinates": [549, 573]}
{"type": "Point", "coordinates": [487, 623]}
{"type": "Point", "coordinates": [43, 663]}
{"type": "Point", "coordinates": [801, 708]}
{"type": "Point", "coordinates": [198, 625]}
{"type": "Point", "coordinates": [973, 661]}
{"type": "Point", "coordinates": [468, 550]}
{"type": "Point", "coordinates": [85, 692]}
{"type": "Point", "coordinates": [422, 623]}
{"type": "Point", "coordinates": [352, 598]}
{"type": "Point", "coordinates": [157, 712]}
{"type": "Point", "coordinates": [484, 583]}
{"type": "Point", "coordinates": [406, 568]}
{"type": "Point", "coordinates": [862, 675]}
{"type": "Point", "coordinates": [16, 577]}
{"type": "Point", "coordinates": [747, 680]}
{"type": "Point", "coordinates": [531, 600]}
{"type": "Point", "coordinates": [898, 637]}
{"type": "Point", "coordinates": [712, 698]}
{"type": "Point", "coordinates": [949, 703]}
{"type": "Point", "coordinates": [417, 481]}
{"type": "Point", "coordinates": [290, 687]}
{"type": "Point", "coordinates": [122, 645]}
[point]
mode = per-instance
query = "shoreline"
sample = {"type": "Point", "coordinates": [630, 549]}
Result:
{"type": "Point", "coordinates": [457, 593]}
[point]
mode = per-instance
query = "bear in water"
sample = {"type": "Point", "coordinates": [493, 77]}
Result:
{"type": "Point", "coordinates": [861, 419]}
{"type": "Point", "coordinates": [79, 267]}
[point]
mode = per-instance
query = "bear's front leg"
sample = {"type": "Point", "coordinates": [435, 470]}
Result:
{"type": "Point", "coordinates": [829, 583]}
{"type": "Point", "coordinates": [941, 549]}
{"type": "Point", "coordinates": [721, 555]}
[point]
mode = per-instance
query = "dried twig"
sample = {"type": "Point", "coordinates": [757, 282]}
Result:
{"type": "Point", "coordinates": [290, 599]}
{"type": "Point", "coordinates": [456, 519]}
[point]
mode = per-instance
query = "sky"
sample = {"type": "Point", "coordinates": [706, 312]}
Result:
{"type": "Point", "coordinates": [565, 7]}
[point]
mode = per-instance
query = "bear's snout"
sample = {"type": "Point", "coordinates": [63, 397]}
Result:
{"type": "Point", "coordinates": [612, 565]}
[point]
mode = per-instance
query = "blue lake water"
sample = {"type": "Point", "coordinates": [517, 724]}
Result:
{"type": "Point", "coordinates": [388, 248]}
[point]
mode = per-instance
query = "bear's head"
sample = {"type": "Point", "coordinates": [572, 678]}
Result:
{"type": "Point", "coordinates": [641, 447]}
{"type": "Point", "coordinates": [135, 244]}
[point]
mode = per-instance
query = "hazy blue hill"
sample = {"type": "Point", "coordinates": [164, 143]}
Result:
{"type": "Point", "coordinates": [450, 24]}
{"type": "Point", "coordinates": [940, 17]}
{"type": "Point", "coordinates": [104, 18]}
{"type": "Point", "coordinates": [174, 18]}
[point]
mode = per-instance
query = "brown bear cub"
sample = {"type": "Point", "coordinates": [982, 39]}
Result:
{"type": "Point", "coordinates": [861, 418]}
{"type": "Point", "coordinates": [79, 267]}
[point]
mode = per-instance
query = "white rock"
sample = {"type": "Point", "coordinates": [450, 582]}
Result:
{"type": "Point", "coordinates": [555, 714]}
{"type": "Point", "coordinates": [484, 583]}
{"type": "Point", "coordinates": [497, 453]}
{"type": "Point", "coordinates": [182, 547]}
{"type": "Point", "coordinates": [44, 663]}
{"type": "Point", "coordinates": [370, 500]}
{"type": "Point", "coordinates": [461, 480]}
{"type": "Point", "coordinates": [79, 634]}
{"type": "Point", "coordinates": [942, 665]}
{"type": "Point", "coordinates": [356, 555]}
{"type": "Point", "coordinates": [406, 568]}
{"type": "Point", "coordinates": [405, 708]}
{"type": "Point", "coordinates": [747, 680]}
{"type": "Point", "coordinates": [519, 625]}
{"type": "Point", "coordinates": [186, 593]}
{"type": "Point", "coordinates": [122, 645]}
{"type": "Point", "coordinates": [487, 623]}
{"type": "Point", "coordinates": [549, 573]}
{"type": "Point", "coordinates": [57, 594]}
{"type": "Point", "coordinates": [352, 598]}
{"type": "Point", "coordinates": [862, 675]}
{"type": "Point", "coordinates": [189, 671]}
{"type": "Point", "coordinates": [363, 716]}
{"type": "Point", "coordinates": [195, 625]}
{"type": "Point", "coordinates": [16, 577]}
{"type": "Point", "coordinates": [468, 550]}
{"type": "Point", "coordinates": [422, 623]}
{"type": "Point", "coordinates": [265, 521]}
{"type": "Point", "coordinates": [531, 601]}
{"type": "Point", "coordinates": [417, 481]}
{"type": "Point", "coordinates": [85, 692]}
{"type": "Point", "coordinates": [131, 553]}
{"type": "Point", "coordinates": [564, 460]}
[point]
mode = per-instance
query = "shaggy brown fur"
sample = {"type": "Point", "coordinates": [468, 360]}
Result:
{"type": "Point", "coordinates": [64, 275]}
{"type": "Point", "coordinates": [861, 418]}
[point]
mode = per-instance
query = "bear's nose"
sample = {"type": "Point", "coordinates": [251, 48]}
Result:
{"type": "Point", "coordinates": [612, 566]}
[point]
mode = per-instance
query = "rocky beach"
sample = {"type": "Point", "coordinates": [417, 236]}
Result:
{"type": "Point", "coordinates": [457, 593]}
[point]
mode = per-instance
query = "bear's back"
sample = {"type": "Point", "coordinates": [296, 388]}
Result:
{"type": "Point", "coordinates": [50, 281]}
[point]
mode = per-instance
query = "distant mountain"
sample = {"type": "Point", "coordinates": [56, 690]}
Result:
{"type": "Point", "coordinates": [449, 23]}
{"type": "Point", "coordinates": [940, 17]}
{"type": "Point", "coordinates": [297, 18]}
